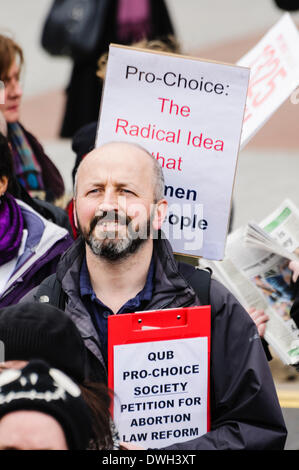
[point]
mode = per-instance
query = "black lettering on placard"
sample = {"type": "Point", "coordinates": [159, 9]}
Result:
{"type": "Point", "coordinates": [154, 420]}
{"type": "Point", "coordinates": [160, 372]}
{"type": "Point", "coordinates": [135, 437]}
{"type": "Point", "coordinates": [160, 355]}
{"type": "Point", "coordinates": [189, 401]}
{"type": "Point", "coordinates": [179, 193]}
{"type": "Point", "coordinates": [147, 405]}
{"type": "Point", "coordinates": [177, 387]}
{"type": "Point", "coordinates": [177, 433]}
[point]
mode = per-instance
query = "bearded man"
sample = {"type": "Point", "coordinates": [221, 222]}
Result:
{"type": "Point", "coordinates": [123, 264]}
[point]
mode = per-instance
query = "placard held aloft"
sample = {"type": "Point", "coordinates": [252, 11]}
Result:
{"type": "Point", "coordinates": [274, 74]}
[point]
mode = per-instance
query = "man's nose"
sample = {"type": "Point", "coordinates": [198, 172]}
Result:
{"type": "Point", "coordinates": [109, 201]}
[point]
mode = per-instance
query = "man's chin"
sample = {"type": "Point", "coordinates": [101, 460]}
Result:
{"type": "Point", "coordinates": [108, 249]}
{"type": "Point", "coordinates": [114, 250]}
{"type": "Point", "coordinates": [12, 116]}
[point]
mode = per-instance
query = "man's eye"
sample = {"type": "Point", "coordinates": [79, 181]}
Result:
{"type": "Point", "coordinates": [126, 191]}
{"type": "Point", "coordinates": [93, 191]}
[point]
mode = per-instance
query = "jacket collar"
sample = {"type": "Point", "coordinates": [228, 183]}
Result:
{"type": "Point", "coordinates": [170, 287]}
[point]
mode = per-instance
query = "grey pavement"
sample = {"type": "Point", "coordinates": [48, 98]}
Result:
{"type": "Point", "coordinates": [291, 417]}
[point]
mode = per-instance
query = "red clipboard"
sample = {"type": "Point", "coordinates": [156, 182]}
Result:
{"type": "Point", "coordinates": [159, 325]}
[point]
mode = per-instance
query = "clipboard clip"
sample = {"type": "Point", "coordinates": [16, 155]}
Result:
{"type": "Point", "coordinates": [151, 327]}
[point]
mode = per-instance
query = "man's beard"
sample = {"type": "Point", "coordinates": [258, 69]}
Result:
{"type": "Point", "coordinates": [108, 246]}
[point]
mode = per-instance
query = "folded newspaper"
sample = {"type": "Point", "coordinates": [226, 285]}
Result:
{"type": "Point", "coordinates": [255, 270]}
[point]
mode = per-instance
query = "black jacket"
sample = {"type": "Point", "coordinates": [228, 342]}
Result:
{"type": "Point", "coordinates": [245, 412]}
{"type": "Point", "coordinates": [294, 313]}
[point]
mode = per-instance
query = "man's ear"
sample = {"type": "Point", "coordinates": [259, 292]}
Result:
{"type": "Point", "coordinates": [160, 213]}
{"type": "Point", "coordinates": [3, 185]}
{"type": "Point", "coordinates": [75, 214]}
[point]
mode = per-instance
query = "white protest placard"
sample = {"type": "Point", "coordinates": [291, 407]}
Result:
{"type": "Point", "coordinates": [188, 114]}
{"type": "Point", "coordinates": [163, 391]}
{"type": "Point", "coordinates": [274, 74]}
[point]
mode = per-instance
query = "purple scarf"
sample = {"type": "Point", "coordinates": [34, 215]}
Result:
{"type": "Point", "coordinates": [11, 228]}
{"type": "Point", "coordinates": [133, 20]}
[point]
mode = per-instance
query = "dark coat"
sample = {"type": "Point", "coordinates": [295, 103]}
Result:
{"type": "Point", "coordinates": [287, 5]}
{"type": "Point", "coordinates": [295, 307]}
{"type": "Point", "coordinates": [245, 412]}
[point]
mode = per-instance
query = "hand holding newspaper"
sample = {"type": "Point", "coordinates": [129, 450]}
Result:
{"type": "Point", "coordinates": [255, 269]}
{"type": "Point", "coordinates": [255, 236]}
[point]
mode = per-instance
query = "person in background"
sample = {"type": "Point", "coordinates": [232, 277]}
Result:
{"type": "Point", "coordinates": [47, 209]}
{"type": "Point", "coordinates": [40, 331]}
{"type": "Point", "coordinates": [126, 21]}
{"type": "Point", "coordinates": [30, 246]}
{"type": "Point", "coordinates": [34, 169]}
{"type": "Point", "coordinates": [41, 408]}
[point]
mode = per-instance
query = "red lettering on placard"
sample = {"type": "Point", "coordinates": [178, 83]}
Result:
{"type": "Point", "coordinates": [270, 87]}
{"type": "Point", "coordinates": [170, 163]}
{"type": "Point", "coordinates": [150, 131]}
{"type": "Point", "coordinates": [207, 143]}
{"type": "Point", "coordinates": [172, 107]}
{"type": "Point", "coordinates": [266, 72]}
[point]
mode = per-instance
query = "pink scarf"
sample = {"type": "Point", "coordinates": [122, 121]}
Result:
{"type": "Point", "coordinates": [133, 20]}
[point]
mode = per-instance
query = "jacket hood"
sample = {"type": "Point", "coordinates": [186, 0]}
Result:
{"type": "Point", "coordinates": [42, 236]}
